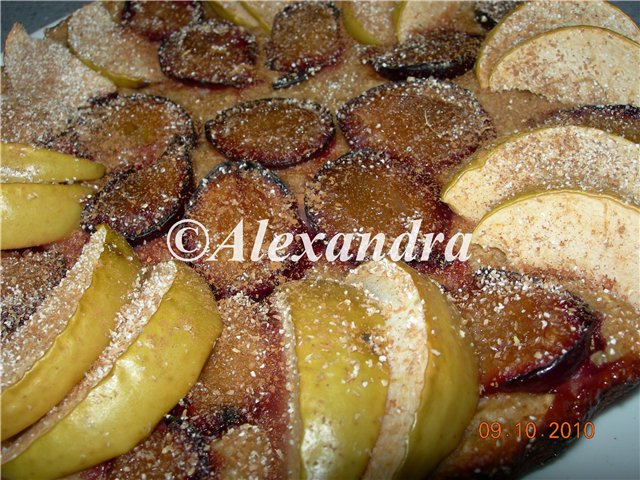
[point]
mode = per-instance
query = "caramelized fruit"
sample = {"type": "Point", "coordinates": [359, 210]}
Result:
{"type": "Point", "coordinates": [440, 54]}
{"type": "Point", "coordinates": [575, 234]}
{"type": "Point", "coordinates": [173, 450]}
{"type": "Point", "coordinates": [232, 192]}
{"type": "Point", "coordinates": [622, 120]}
{"type": "Point", "coordinates": [433, 122]}
{"type": "Point", "coordinates": [582, 65]}
{"type": "Point", "coordinates": [369, 192]}
{"type": "Point", "coordinates": [50, 354]}
{"type": "Point", "coordinates": [27, 278]}
{"type": "Point", "coordinates": [275, 132]}
{"type": "Point", "coordinates": [216, 52]}
{"type": "Point", "coordinates": [244, 382]}
{"type": "Point", "coordinates": [121, 55]}
{"type": "Point", "coordinates": [548, 158]}
{"type": "Point", "coordinates": [339, 340]}
{"type": "Point", "coordinates": [35, 214]}
{"type": "Point", "coordinates": [141, 202]}
{"type": "Point", "coordinates": [127, 130]}
{"type": "Point", "coordinates": [304, 39]}
{"type": "Point", "coordinates": [163, 338]}
{"type": "Point", "coordinates": [26, 164]}
{"type": "Point", "coordinates": [528, 335]}
{"type": "Point", "coordinates": [158, 20]}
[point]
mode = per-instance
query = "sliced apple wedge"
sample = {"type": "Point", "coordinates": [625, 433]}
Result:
{"type": "Point", "coordinates": [26, 164]}
{"type": "Point", "coordinates": [50, 354]}
{"type": "Point", "coordinates": [580, 65]}
{"type": "Point", "coordinates": [264, 12]}
{"type": "Point", "coordinates": [433, 376]}
{"type": "Point", "coordinates": [34, 214]}
{"type": "Point", "coordinates": [233, 12]}
{"type": "Point", "coordinates": [371, 23]}
{"type": "Point", "coordinates": [387, 381]}
{"type": "Point", "coordinates": [162, 339]}
{"type": "Point", "coordinates": [416, 16]}
{"type": "Point", "coordinates": [342, 379]}
{"type": "Point", "coordinates": [588, 236]}
{"type": "Point", "coordinates": [122, 56]}
{"type": "Point", "coordinates": [47, 86]}
{"type": "Point", "coordinates": [534, 18]}
{"type": "Point", "coordinates": [544, 159]}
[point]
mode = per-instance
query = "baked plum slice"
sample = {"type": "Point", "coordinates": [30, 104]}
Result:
{"type": "Point", "coordinates": [173, 450]}
{"type": "Point", "coordinates": [158, 20]}
{"type": "Point", "coordinates": [622, 120]}
{"type": "Point", "coordinates": [304, 39]}
{"type": "Point", "coordinates": [440, 54]}
{"type": "Point", "coordinates": [244, 383]}
{"type": "Point", "coordinates": [275, 132]}
{"type": "Point", "coordinates": [141, 202]}
{"type": "Point", "coordinates": [27, 278]}
{"type": "Point", "coordinates": [489, 13]}
{"type": "Point", "coordinates": [247, 192]}
{"type": "Point", "coordinates": [127, 130]}
{"type": "Point", "coordinates": [528, 334]}
{"type": "Point", "coordinates": [215, 52]}
{"type": "Point", "coordinates": [433, 123]}
{"type": "Point", "coordinates": [369, 192]}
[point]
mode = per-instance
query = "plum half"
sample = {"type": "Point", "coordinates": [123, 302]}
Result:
{"type": "Point", "coordinates": [215, 52]}
{"type": "Point", "coordinates": [158, 20]}
{"type": "Point", "coordinates": [275, 132]}
{"type": "Point", "coordinates": [528, 335]}
{"type": "Point", "coordinates": [440, 54]}
{"type": "Point", "coordinates": [139, 203]}
{"type": "Point", "coordinates": [369, 192]}
{"type": "Point", "coordinates": [126, 130]}
{"type": "Point", "coordinates": [247, 192]}
{"type": "Point", "coordinates": [431, 122]}
{"type": "Point", "coordinates": [304, 39]}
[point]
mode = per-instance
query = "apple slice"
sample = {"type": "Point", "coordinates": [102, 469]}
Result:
{"type": "Point", "coordinates": [47, 85]}
{"type": "Point", "coordinates": [127, 59]}
{"type": "Point", "coordinates": [161, 341]}
{"type": "Point", "coordinates": [593, 237]}
{"type": "Point", "coordinates": [45, 359]}
{"type": "Point", "coordinates": [433, 382]}
{"type": "Point", "coordinates": [534, 18]}
{"type": "Point", "coordinates": [543, 159]}
{"type": "Point", "coordinates": [264, 12]}
{"type": "Point", "coordinates": [231, 11]}
{"type": "Point", "coordinates": [34, 214]}
{"type": "Point", "coordinates": [338, 335]}
{"type": "Point", "coordinates": [583, 65]}
{"type": "Point", "coordinates": [371, 23]}
{"type": "Point", "coordinates": [414, 17]}
{"type": "Point", "coordinates": [26, 164]}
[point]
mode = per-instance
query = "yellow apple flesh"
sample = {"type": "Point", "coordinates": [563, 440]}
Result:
{"type": "Point", "coordinates": [36, 214]}
{"type": "Point", "coordinates": [112, 271]}
{"type": "Point", "coordinates": [586, 236]}
{"type": "Point", "coordinates": [433, 388]}
{"type": "Point", "coordinates": [143, 373]}
{"type": "Point", "coordinates": [544, 159]}
{"type": "Point", "coordinates": [26, 164]}
{"type": "Point", "coordinates": [342, 380]}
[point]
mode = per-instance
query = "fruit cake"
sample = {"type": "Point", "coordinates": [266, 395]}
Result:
{"type": "Point", "coordinates": [146, 145]}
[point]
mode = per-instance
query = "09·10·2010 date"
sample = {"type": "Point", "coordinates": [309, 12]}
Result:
{"type": "Point", "coordinates": [555, 430]}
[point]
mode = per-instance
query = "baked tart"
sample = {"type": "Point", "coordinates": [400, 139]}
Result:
{"type": "Point", "coordinates": [317, 239]}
